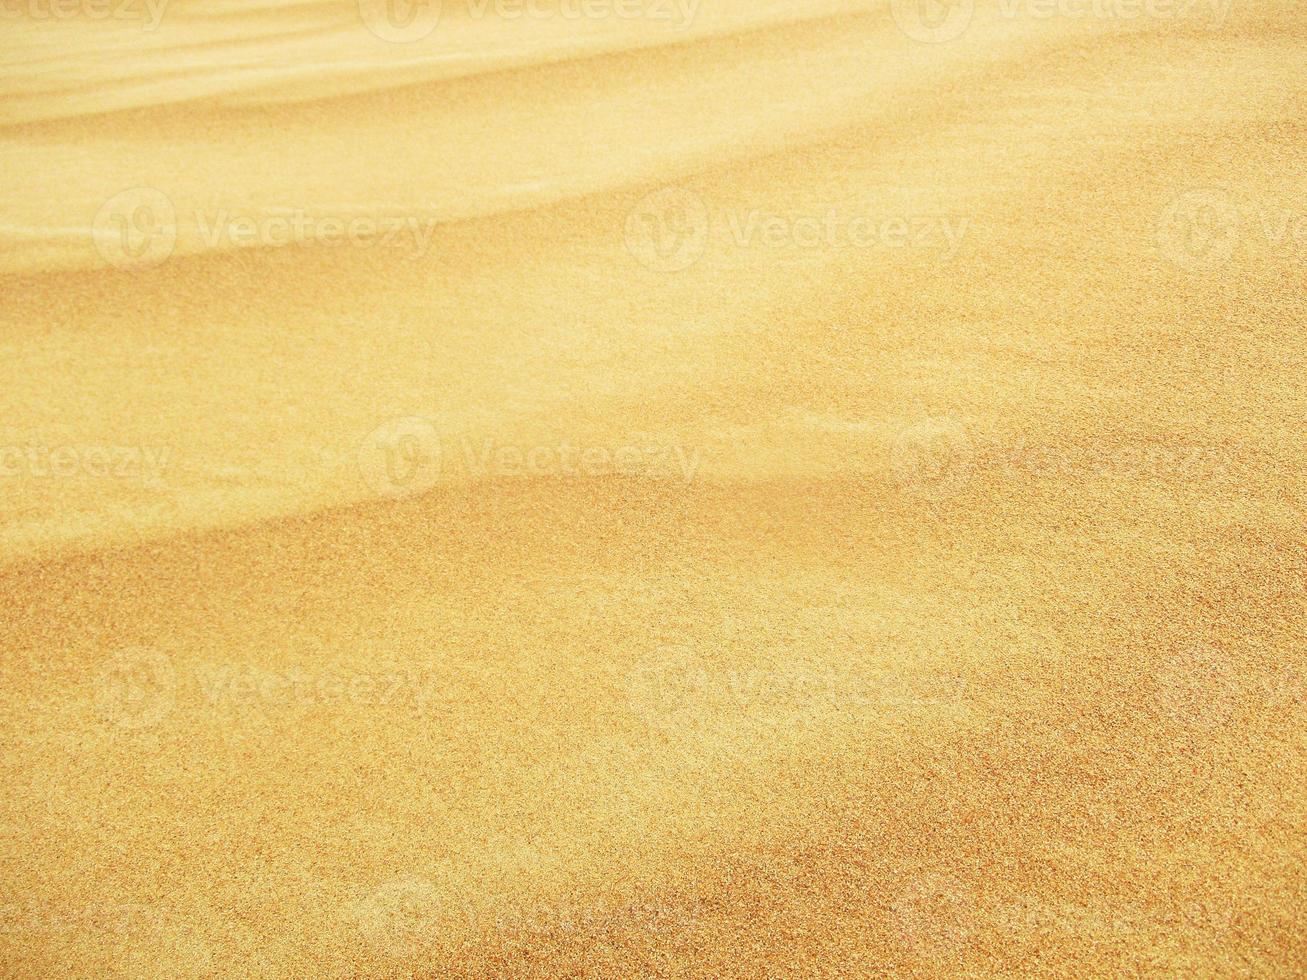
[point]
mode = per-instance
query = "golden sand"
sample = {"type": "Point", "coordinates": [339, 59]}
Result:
{"type": "Point", "coordinates": [621, 488]}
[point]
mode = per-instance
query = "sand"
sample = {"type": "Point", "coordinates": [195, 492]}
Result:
{"type": "Point", "coordinates": [658, 489]}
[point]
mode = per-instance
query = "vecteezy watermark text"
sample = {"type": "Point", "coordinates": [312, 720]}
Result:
{"type": "Point", "coordinates": [409, 21]}
{"type": "Point", "coordinates": [939, 21]}
{"type": "Point", "coordinates": [407, 456]}
{"type": "Point", "coordinates": [677, 687]}
{"type": "Point", "coordinates": [139, 687]}
{"type": "Point", "coordinates": [409, 915]}
{"type": "Point", "coordinates": [149, 13]}
{"type": "Point", "coordinates": [257, 686]}
{"type": "Point", "coordinates": [97, 462]}
{"type": "Point", "coordinates": [140, 227]}
{"type": "Point", "coordinates": [678, 12]}
{"type": "Point", "coordinates": [670, 229]}
{"type": "Point", "coordinates": [100, 918]}
{"type": "Point", "coordinates": [936, 916]}
{"type": "Point", "coordinates": [489, 458]}
{"type": "Point", "coordinates": [936, 458]}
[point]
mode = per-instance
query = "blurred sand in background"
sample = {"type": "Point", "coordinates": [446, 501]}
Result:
{"type": "Point", "coordinates": [653, 489]}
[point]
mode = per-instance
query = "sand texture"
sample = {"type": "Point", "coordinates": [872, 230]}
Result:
{"type": "Point", "coordinates": [653, 488]}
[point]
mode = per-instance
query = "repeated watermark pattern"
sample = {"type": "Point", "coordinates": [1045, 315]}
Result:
{"type": "Point", "coordinates": [670, 229]}
{"type": "Point", "coordinates": [148, 13]}
{"type": "Point", "coordinates": [141, 687]}
{"type": "Point", "coordinates": [940, 21]}
{"type": "Point", "coordinates": [1202, 229]}
{"type": "Point", "coordinates": [409, 915]}
{"type": "Point", "coordinates": [407, 456]}
{"type": "Point", "coordinates": [410, 21]}
{"type": "Point", "coordinates": [936, 458]}
{"type": "Point", "coordinates": [139, 228]}
{"type": "Point", "coordinates": [27, 461]}
{"type": "Point", "coordinates": [677, 687]}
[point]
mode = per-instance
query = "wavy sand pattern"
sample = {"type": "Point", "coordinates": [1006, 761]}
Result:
{"type": "Point", "coordinates": [653, 488]}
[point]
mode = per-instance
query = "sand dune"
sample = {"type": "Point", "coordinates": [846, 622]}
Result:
{"type": "Point", "coordinates": [773, 489]}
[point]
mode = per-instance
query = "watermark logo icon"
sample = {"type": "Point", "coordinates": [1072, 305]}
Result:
{"type": "Point", "coordinates": [400, 21]}
{"type": "Point", "coordinates": [401, 917]}
{"type": "Point", "coordinates": [668, 230]}
{"type": "Point", "coordinates": [1198, 688]}
{"type": "Point", "coordinates": [933, 21]}
{"type": "Point", "coordinates": [933, 915]}
{"type": "Point", "coordinates": [1199, 229]}
{"type": "Point", "coordinates": [137, 688]}
{"type": "Point", "coordinates": [401, 458]}
{"type": "Point", "coordinates": [933, 458]}
{"type": "Point", "coordinates": [669, 689]}
{"type": "Point", "coordinates": [136, 228]}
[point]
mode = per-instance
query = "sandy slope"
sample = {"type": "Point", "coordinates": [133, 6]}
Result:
{"type": "Point", "coordinates": [947, 618]}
